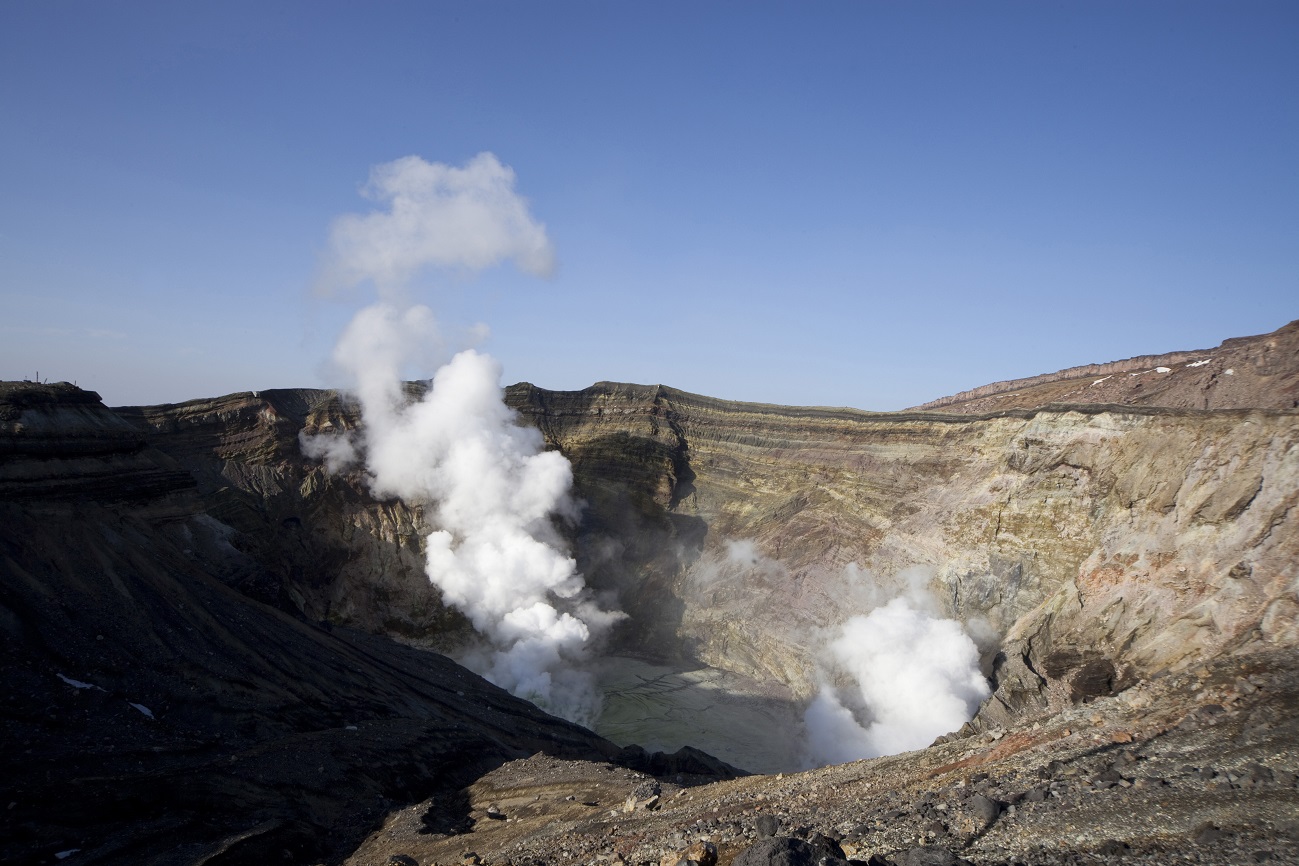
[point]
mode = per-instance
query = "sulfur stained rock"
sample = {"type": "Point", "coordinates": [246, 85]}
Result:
{"type": "Point", "coordinates": [701, 853]}
{"type": "Point", "coordinates": [1063, 527]}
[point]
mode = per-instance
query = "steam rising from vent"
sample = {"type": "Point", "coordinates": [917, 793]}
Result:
{"type": "Point", "coordinates": [894, 678]}
{"type": "Point", "coordinates": [890, 678]}
{"type": "Point", "coordinates": [487, 484]}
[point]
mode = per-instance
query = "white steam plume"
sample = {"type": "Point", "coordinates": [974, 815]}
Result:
{"type": "Point", "coordinates": [891, 678]}
{"type": "Point", "coordinates": [438, 215]}
{"type": "Point", "coordinates": [906, 675]}
{"type": "Point", "coordinates": [487, 483]}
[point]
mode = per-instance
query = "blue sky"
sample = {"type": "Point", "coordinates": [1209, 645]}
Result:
{"type": "Point", "coordinates": [866, 204]}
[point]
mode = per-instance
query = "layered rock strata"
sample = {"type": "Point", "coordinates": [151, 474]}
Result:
{"type": "Point", "coordinates": [1096, 543]}
{"type": "Point", "coordinates": [318, 542]}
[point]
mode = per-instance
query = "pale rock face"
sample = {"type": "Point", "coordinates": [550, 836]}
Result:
{"type": "Point", "coordinates": [1147, 538]}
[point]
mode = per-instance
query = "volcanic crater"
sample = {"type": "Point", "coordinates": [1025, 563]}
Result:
{"type": "Point", "coordinates": [216, 651]}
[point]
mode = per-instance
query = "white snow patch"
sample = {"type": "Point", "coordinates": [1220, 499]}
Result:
{"type": "Point", "coordinates": [1229, 372]}
{"type": "Point", "coordinates": [143, 709]}
{"type": "Point", "coordinates": [78, 684]}
{"type": "Point", "coordinates": [1198, 363]}
{"type": "Point", "coordinates": [1098, 381]}
{"type": "Point", "coordinates": [64, 855]}
{"type": "Point", "coordinates": [1163, 370]}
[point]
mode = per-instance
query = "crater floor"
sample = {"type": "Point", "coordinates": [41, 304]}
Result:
{"type": "Point", "coordinates": [751, 725]}
{"type": "Point", "coordinates": [1198, 767]}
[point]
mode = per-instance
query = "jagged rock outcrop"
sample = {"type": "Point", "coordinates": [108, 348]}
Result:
{"type": "Point", "coordinates": [155, 713]}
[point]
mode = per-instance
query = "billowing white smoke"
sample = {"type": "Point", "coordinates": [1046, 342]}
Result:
{"type": "Point", "coordinates": [904, 676]}
{"type": "Point", "coordinates": [487, 484]}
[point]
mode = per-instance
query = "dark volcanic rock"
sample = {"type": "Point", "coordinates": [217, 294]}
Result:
{"type": "Point", "coordinates": [778, 851]}
{"type": "Point", "coordinates": [984, 809]}
{"type": "Point", "coordinates": [929, 855]}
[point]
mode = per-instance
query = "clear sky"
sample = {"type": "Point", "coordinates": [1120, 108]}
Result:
{"type": "Point", "coordinates": [866, 204]}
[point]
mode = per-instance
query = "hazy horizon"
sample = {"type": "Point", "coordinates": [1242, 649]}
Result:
{"type": "Point", "coordinates": [854, 204]}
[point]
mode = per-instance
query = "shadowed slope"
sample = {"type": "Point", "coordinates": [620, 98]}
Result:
{"type": "Point", "coordinates": [154, 714]}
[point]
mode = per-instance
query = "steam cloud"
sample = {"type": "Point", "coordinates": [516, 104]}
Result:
{"type": "Point", "coordinates": [438, 215]}
{"type": "Point", "coordinates": [895, 677]}
{"type": "Point", "coordinates": [891, 678]}
{"type": "Point", "coordinates": [487, 483]}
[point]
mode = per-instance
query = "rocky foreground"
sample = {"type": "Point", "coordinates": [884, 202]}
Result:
{"type": "Point", "coordinates": [1193, 768]}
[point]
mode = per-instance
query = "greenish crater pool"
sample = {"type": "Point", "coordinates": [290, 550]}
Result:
{"type": "Point", "coordinates": [749, 725]}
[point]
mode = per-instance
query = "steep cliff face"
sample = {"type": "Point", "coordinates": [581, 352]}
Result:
{"type": "Point", "coordinates": [320, 543]}
{"type": "Point", "coordinates": [1098, 543]}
